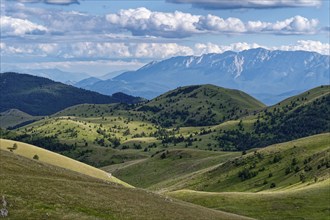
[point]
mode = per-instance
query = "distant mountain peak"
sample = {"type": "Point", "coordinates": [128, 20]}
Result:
{"type": "Point", "coordinates": [267, 73]}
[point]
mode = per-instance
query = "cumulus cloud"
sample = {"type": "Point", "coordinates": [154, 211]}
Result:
{"type": "Point", "coordinates": [142, 22]}
{"type": "Point", "coordinates": [53, 2]}
{"type": "Point", "coordinates": [307, 45]}
{"type": "Point", "coordinates": [19, 27]}
{"type": "Point", "coordinates": [204, 48]}
{"type": "Point", "coordinates": [257, 4]}
{"type": "Point", "coordinates": [96, 50]}
{"type": "Point", "coordinates": [101, 51]}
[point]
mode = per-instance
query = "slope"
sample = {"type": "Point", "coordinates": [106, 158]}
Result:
{"type": "Point", "coordinates": [40, 96]}
{"type": "Point", "coordinates": [157, 170]}
{"type": "Point", "coordinates": [35, 190]}
{"type": "Point", "coordinates": [277, 167]}
{"type": "Point", "coordinates": [199, 106]}
{"type": "Point", "coordinates": [310, 202]}
{"type": "Point", "coordinates": [45, 156]}
{"type": "Point", "coordinates": [14, 117]}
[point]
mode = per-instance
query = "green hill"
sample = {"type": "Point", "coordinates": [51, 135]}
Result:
{"type": "Point", "coordinates": [310, 202]}
{"type": "Point", "coordinates": [300, 116]}
{"type": "Point", "coordinates": [277, 167]}
{"type": "Point", "coordinates": [199, 106]}
{"type": "Point", "coordinates": [36, 190]}
{"type": "Point", "coordinates": [14, 117]}
{"type": "Point", "coordinates": [168, 166]}
{"type": "Point", "coordinates": [40, 96]}
{"type": "Point", "coordinates": [45, 156]}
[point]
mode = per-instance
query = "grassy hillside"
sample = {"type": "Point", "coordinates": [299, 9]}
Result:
{"type": "Point", "coordinates": [310, 202]}
{"type": "Point", "coordinates": [13, 118]}
{"type": "Point", "coordinates": [106, 134]}
{"type": "Point", "coordinates": [36, 190]}
{"type": "Point", "coordinates": [96, 141]}
{"type": "Point", "coordinates": [40, 96]}
{"type": "Point", "coordinates": [200, 106]}
{"type": "Point", "coordinates": [273, 168]}
{"type": "Point", "coordinates": [168, 165]}
{"type": "Point", "coordinates": [301, 116]}
{"type": "Point", "coordinates": [45, 156]}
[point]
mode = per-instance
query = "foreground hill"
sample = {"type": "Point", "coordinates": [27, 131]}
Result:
{"type": "Point", "coordinates": [274, 167]}
{"type": "Point", "coordinates": [51, 158]}
{"type": "Point", "coordinates": [277, 167]}
{"type": "Point", "coordinates": [40, 96]}
{"type": "Point", "coordinates": [262, 73]}
{"type": "Point", "coordinates": [157, 171]}
{"type": "Point", "coordinates": [310, 202]}
{"type": "Point", "coordinates": [36, 190]}
{"type": "Point", "coordinates": [199, 106]}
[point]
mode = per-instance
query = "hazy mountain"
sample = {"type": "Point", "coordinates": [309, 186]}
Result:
{"type": "Point", "coordinates": [86, 82]}
{"type": "Point", "coordinates": [113, 74]}
{"type": "Point", "coordinates": [40, 96]}
{"type": "Point", "coordinates": [58, 75]}
{"type": "Point", "coordinates": [266, 74]}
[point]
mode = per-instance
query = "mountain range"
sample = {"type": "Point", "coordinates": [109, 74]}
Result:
{"type": "Point", "coordinates": [269, 76]}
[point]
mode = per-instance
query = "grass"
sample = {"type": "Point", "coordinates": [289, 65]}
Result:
{"type": "Point", "coordinates": [168, 165]}
{"type": "Point", "coordinates": [310, 202]}
{"type": "Point", "coordinates": [310, 155]}
{"type": "Point", "coordinates": [200, 106]}
{"type": "Point", "coordinates": [45, 156]}
{"type": "Point", "coordinates": [14, 117]}
{"type": "Point", "coordinates": [36, 190]}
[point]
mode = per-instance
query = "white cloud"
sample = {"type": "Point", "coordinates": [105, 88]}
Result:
{"type": "Point", "coordinates": [101, 51]}
{"type": "Point", "coordinates": [143, 22]}
{"type": "Point", "coordinates": [96, 50]}
{"type": "Point", "coordinates": [294, 25]}
{"type": "Point", "coordinates": [257, 4]}
{"type": "Point", "coordinates": [94, 68]}
{"type": "Point", "coordinates": [201, 48]}
{"type": "Point", "coordinates": [308, 45]}
{"type": "Point", "coordinates": [19, 27]}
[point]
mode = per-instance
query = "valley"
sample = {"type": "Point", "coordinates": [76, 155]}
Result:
{"type": "Point", "coordinates": [205, 145]}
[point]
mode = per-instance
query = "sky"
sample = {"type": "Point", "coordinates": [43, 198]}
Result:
{"type": "Point", "coordinates": [100, 37]}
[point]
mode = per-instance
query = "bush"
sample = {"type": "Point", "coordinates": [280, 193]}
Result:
{"type": "Point", "coordinates": [14, 147]}
{"type": "Point", "coordinates": [36, 157]}
{"type": "Point", "coordinates": [272, 185]}
{"type": "Point", "coordinates": [247, 174]}
{"type": "Point", "coordinates": [163, 156]}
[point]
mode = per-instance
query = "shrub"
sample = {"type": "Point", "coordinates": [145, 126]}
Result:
{"type": "Point", "coordinates": [163, 156]}
{"type": "Point", "coordinates": [36, 157]}
{"type": "Point", "coordinates": [272, 185]}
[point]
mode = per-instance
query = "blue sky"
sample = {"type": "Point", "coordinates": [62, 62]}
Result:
{"type": "Point", "coordinates": [99, 37]}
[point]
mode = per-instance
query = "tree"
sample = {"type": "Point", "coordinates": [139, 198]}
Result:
{"type": "Point", "coordinates": [163, 156]}
{"type": "Point", "coordinates": [14, 147]}
{"type": "Point", "coordinates": [36, 157]}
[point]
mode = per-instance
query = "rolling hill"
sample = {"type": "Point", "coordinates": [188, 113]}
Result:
{"type": "Point", "coordinates": [102, 135]}
{"type": "Point", "coordinates": [14, 117]}
{"type": "Point", "coordinates": [276, 167]}
{"type": "Point", "coordinates": [157, 170]}
{"type": "Point", "coordinates": [40, 96]}
{"type": "Point", "coordinates": [310, 202]}
{"type": "Point", "coordinates": [200, 105]}
{"type": "Point", "coordinates": [36, 190]}
{"type": "Point", "coordinates": [51, 158]}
